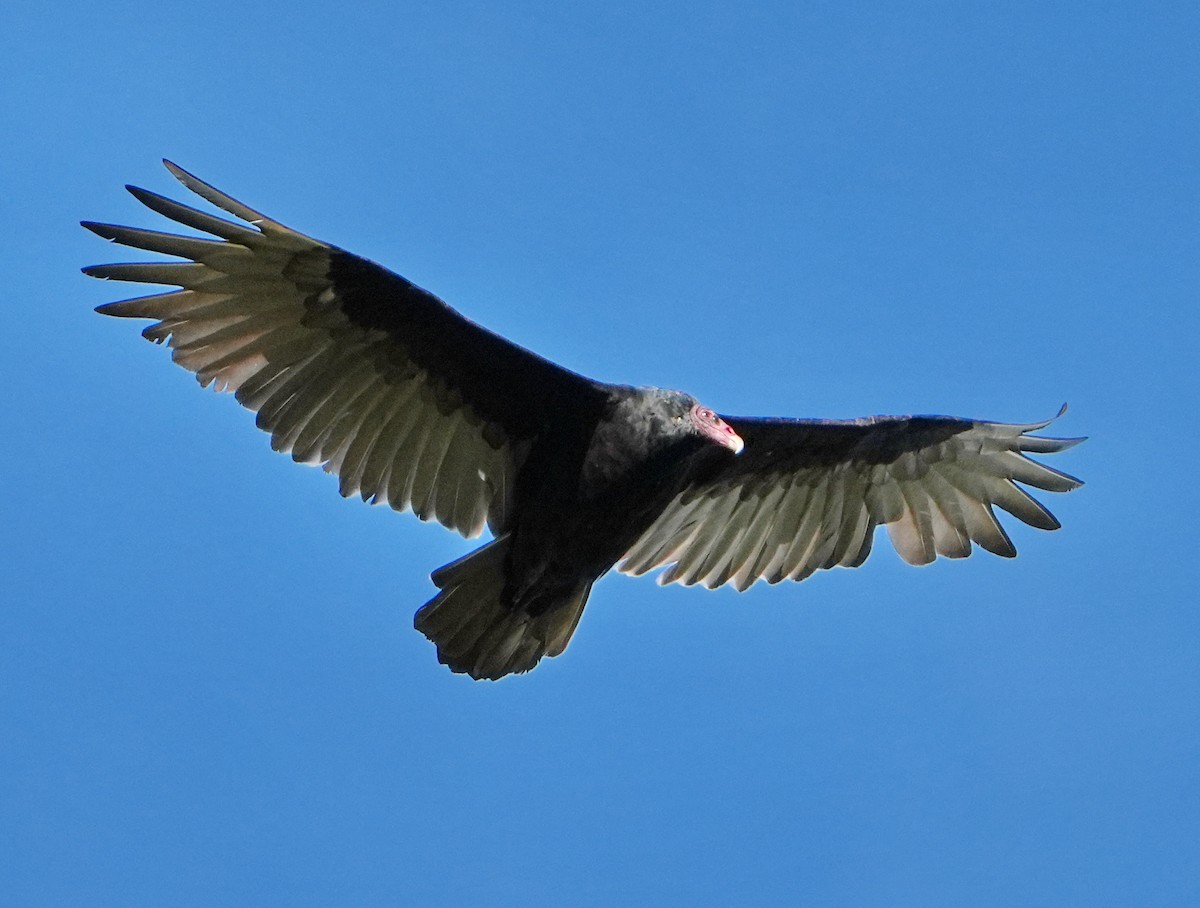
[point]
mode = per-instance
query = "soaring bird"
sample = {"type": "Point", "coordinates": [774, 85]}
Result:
{"type": "Point", "coordinates": [408, 403]}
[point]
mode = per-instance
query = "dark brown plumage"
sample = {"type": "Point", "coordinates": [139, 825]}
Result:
{"type": "Point", "coordinates": [352, 367]}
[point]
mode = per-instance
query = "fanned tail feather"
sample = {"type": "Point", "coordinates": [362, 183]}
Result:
{"type": "Point", "coordinates": [478, 633]}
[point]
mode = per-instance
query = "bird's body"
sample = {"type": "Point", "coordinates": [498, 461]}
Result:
{"type": "Point", "coordinates": [355, 368]}
{"type": "Point", "coordinates": [581, 502]}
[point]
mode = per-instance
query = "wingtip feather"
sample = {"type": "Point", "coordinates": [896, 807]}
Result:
{"type": "Point", "coordinates": [176, 171]}
{"type": "Point", "coordinates": [104, 231]}
{"type": "Point", "coordinates": [141, 194]}
{"type": "Point", "coordinates": [222, 200]}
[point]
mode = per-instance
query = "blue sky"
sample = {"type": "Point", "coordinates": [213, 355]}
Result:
{"type": "Point", "coordinates": [211, 692]}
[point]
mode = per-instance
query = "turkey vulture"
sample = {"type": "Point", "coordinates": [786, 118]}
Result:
{"type": "Point", "coordinates": [352, 367]}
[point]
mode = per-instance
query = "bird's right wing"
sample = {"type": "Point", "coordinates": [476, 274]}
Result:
{"type": "Point", "coordinates": [346, 364]}
{"type": "Point", "coordinates": [808, 494]}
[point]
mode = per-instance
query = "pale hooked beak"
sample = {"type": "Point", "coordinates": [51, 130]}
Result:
{"type": "Point", "coordinates": [730, 438]}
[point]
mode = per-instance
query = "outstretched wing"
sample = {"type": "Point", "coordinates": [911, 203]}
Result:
{"type": "Point", "coordinates": [346, 364]}
{"type": "Point", "coordinates": [808, 494]}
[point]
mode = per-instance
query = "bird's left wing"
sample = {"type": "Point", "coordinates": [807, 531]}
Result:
{"type": "Point", "coordinates": [346, 364]}
{"type": "Point", "coordinates": [808, 494]}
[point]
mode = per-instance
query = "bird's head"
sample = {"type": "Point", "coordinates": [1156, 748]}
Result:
{"type": "Point", "coordinates": [713, 428]}
{"type": "Point", "coordinates": [660, 417]}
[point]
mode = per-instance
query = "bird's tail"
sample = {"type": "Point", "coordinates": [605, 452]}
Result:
{"type": "Point", "coordinates": [477, 632]}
